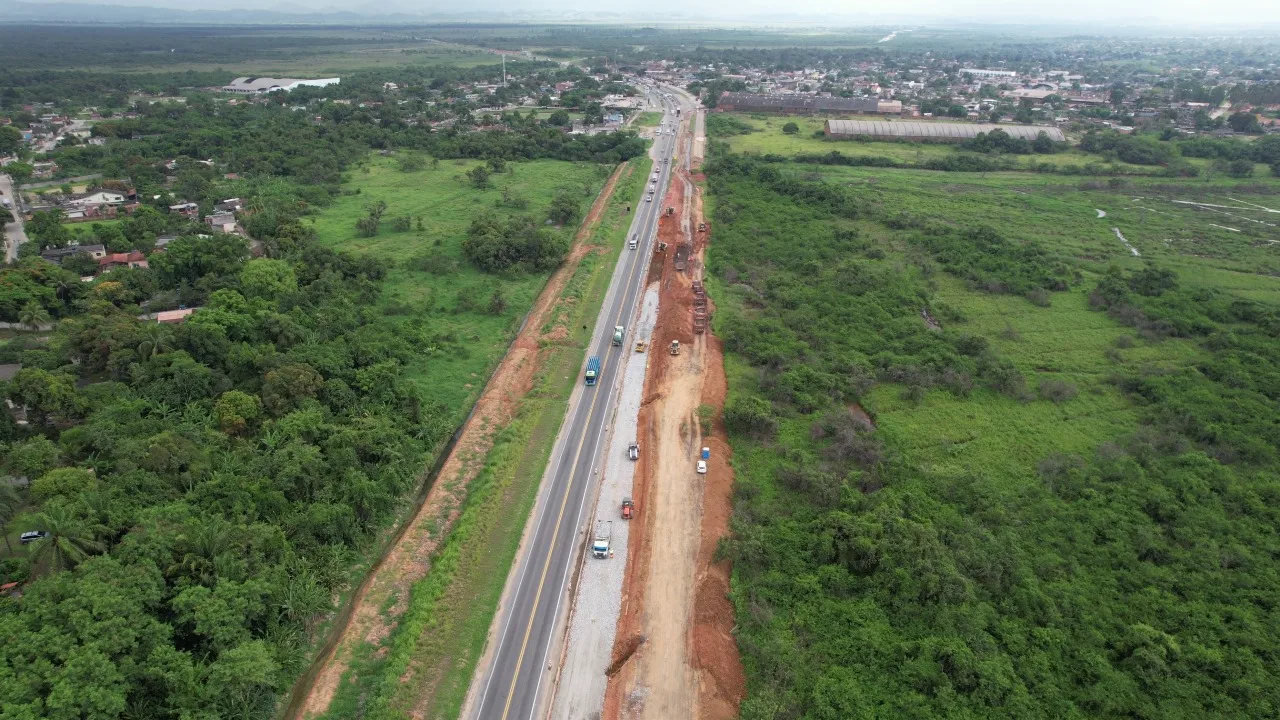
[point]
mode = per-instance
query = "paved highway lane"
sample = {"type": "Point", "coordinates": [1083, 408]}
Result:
{"type": "Point", "coordinates": [14, 235]}
{"type": "Point", "coordinates": [512, 684]}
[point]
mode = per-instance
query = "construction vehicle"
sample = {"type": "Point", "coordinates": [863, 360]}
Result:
{"type": "Point", "coordinates": [604, 533]}
{"type": "Point", "coordinates": [641, 345]}
{"type": "Point", "coordinates": [662, 247]}
{"type": "Point", "coordinates": [593, 369]}
{"type": "Point", "coordinates": [699, 307]}
{"type": "Point", "coordinates": [702, 227]}
{"type": "Point", "coordinates": [675, 347]}
{"type": "Point", "coordinates": [618, 332]}
{"type": "Point", "coordinates": [633, 451]}
{"type": "Point", "coordinates": [671, 211]}
{"type": "Point", "coordinates": [628, 508]}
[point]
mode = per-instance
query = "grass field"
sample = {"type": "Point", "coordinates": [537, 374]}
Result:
{"type": "Point", "coordinates": [1200, 244]}
{"type": "Point", "coordinates": [1067, 340]}
{"type": "Point", "coordinates": [454, 604]}
{"type": "Point", "coordinates": [769, 138]}
{"type": "Point", "coordinates": [451, 300]}
{"type": "Point", "coordinates": [648, 119]}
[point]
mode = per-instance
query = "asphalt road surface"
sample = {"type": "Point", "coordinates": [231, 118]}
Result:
{"type": "Point", "coordinates": [14, 235]}
{"type": "Point", "coordinates": [512, 684]}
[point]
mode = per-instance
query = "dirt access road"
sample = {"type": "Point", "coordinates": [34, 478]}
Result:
{"type": "Point", "coordinates": [675, 656]}
{"type": "Point", "coordinates": [409, 557]}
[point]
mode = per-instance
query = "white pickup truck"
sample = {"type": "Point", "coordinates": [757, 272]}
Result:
{"type": "Point", "coordinates": [604, 533]}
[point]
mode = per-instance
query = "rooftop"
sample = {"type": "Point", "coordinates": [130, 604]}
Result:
{"type": "Point", "coordinates": [939, 130]}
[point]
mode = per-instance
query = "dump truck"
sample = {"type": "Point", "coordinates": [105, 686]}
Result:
{"type": "Point", "coordinates": [675, 347]}
{"type": "Point", "coordinates": [604, 533]}
{"type": "Point", "coordinates": [593, 369]}
{"type": "Point", "coordinates": [628, 508]}
{"type": "Point", "coordinates": [618, 332]}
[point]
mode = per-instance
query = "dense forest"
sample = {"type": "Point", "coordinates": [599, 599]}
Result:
{"type": "Point", "coordinates": [1138, 581]}
{"type": "Point", "coordinates": [205, 487]}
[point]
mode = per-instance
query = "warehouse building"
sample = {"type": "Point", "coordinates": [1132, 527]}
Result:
{"type": "Point", "coordinates": [935, 131]}
{"type": "Point", "coordinates": [988, 74]}
{"type": "Point", "coordinates": [805, 104]}
{"type": "Point", "coordinates": [256, 85]}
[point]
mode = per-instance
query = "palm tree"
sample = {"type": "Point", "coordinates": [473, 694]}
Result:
{"type": "Point", "coordinates": [69, 540]}
{"type": "Point", "coordinates": [155, 341]}
{"type": "Point", "coordinates": [10, 504]}
{"type": "Point", "coordinates": [33, 316]}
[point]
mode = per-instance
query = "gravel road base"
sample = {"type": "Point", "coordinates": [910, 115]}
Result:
{"type": "Point", "coordinates": [598, 597]}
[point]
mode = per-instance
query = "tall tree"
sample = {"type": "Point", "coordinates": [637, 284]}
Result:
{"type": "Point", "coordinates": [69, 541]}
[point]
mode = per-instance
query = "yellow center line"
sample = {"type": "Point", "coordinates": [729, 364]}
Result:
{"type": "Point", "coordinates": [564, 502]}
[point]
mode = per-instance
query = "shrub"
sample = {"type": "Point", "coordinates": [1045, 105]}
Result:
{"type": "Point", "coordinates": [1057, 391]}
{"type": "Point", "coordinates": [518, 244]}
{"type": "Point", "coordinates": [750, 414]}
{"type": "Point", "coordinates": [1240, 168]}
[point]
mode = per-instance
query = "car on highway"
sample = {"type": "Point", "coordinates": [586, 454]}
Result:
{"type": "Point", "coordinates": [702, 467]}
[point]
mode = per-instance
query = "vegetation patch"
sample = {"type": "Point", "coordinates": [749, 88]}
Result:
{"type": "Point", "coordinates": [1069, 449]}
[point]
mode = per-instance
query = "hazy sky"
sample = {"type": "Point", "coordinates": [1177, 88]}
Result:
{"type": "Point", "coordinates": [1191, 14]}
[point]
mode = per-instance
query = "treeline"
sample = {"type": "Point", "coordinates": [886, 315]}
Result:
{"type": "Point", "coordinates": [1000, 141]}
{"type": "Point", "coordinates": [1149, 149]}
{"type": "Point", "coordinates": [204, 487]}
{"type": "Point", "coordinates": [1131, 583]}
{"type": "Point", "coordinates": [272, 140]}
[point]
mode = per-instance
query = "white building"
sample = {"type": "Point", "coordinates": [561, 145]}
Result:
{"type": "Point", "coordinates": [256, 85]}
{"type": "Point", "coordinates": [989, 74]}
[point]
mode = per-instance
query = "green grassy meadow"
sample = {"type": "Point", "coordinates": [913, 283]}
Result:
{"type": "Point", "coordinates": [451, 299]}
{"type": "Point", "coordinates": [648, 119]}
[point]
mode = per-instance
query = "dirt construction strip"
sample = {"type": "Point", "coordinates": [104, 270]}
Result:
{"type": "Point", "coordinates": [409, 557]}
{"type": "Point", "coordinates": [675, 655]}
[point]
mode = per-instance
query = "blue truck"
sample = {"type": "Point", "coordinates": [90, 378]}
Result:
{"type": "Point", "coordinates": [593, 369]}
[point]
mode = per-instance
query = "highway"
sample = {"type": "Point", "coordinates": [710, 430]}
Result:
{"type": "Point", "coordinates": [513, 682]}
{"type": "Point", "coordinates": [14, 235]}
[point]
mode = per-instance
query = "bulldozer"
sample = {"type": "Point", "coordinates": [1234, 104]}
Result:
{"type": "Point", "coordinates": [641, 345]}
{"type": "Point", "coordinates": [675, 347]}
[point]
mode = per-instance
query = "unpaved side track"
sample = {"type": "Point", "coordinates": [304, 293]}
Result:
{"type": "Point", "coordinates": [675, 656]}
